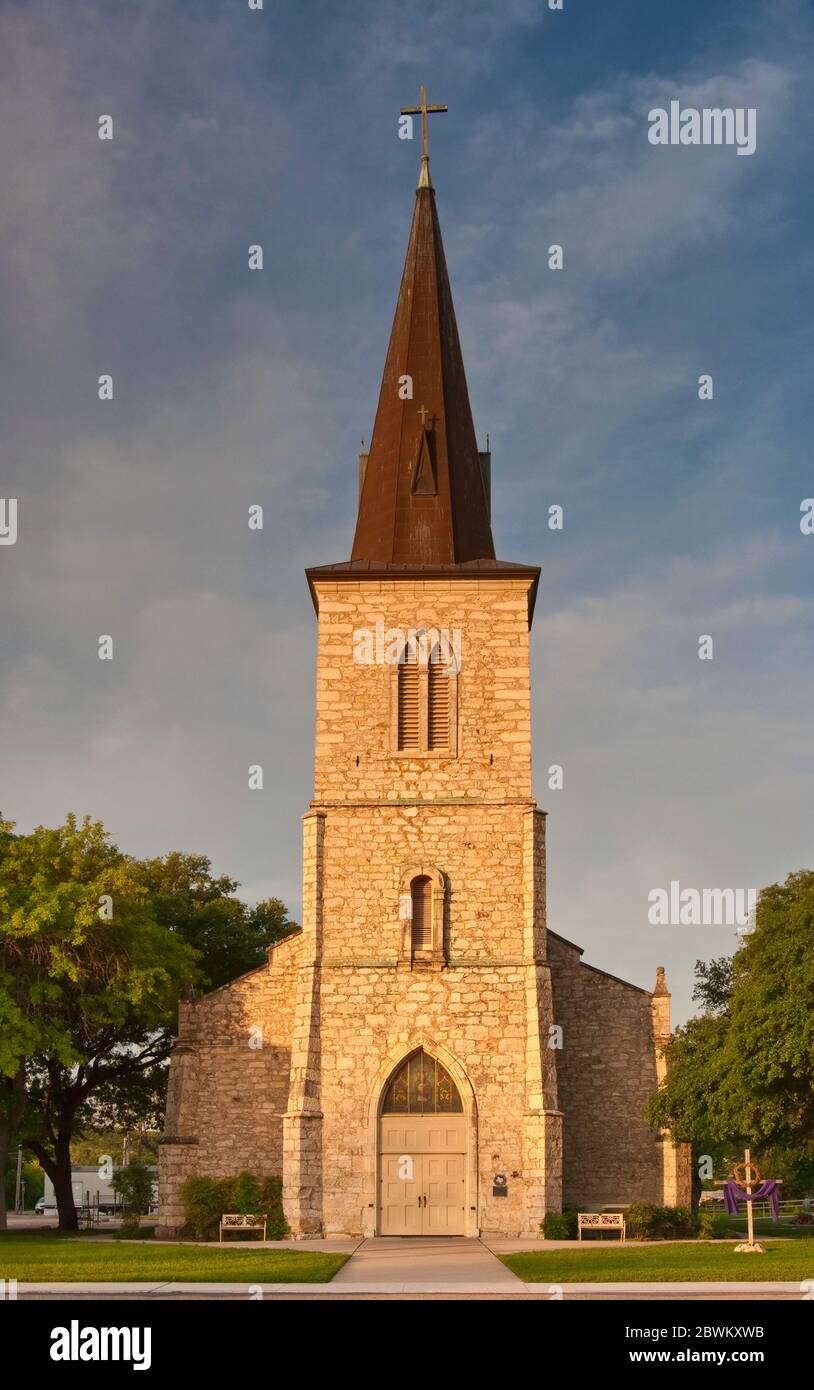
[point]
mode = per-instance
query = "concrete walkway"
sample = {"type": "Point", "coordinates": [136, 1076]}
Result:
{"type": "Point", "coordinates": [394, 1263]}
{"type": "Point", "coordinates": [429, 1289]}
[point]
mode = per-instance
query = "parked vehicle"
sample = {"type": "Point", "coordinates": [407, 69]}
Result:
{"type": "Point", "coordinates": [92, 1190]}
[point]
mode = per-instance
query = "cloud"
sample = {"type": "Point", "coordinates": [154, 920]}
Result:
{"type": "Point", "coordinates": [232, 389]}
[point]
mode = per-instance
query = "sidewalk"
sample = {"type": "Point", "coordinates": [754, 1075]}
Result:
{"type": "Point", "coordinates": [430, 1289]}
{"type": "Point", "coordinates": [393, 1263]}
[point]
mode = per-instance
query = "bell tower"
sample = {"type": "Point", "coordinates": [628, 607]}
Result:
{"type": "Point", "coordinates": [424, 999]}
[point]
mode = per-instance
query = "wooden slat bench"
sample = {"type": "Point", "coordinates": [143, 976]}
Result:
{"type": "Point", "coordinates": [243, 1221]}
{"type": "Point", "coordinates": [601, 1221]}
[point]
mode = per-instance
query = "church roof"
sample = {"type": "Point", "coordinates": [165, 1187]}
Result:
{"type": "Point", "coordinates": [424, 499]}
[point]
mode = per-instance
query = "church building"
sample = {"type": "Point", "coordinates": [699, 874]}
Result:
{"type": "Point", "coordinates": [425, 1056]}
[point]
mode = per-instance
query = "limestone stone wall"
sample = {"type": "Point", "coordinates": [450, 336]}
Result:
{"type": "Point", "coordinates": [228, 1093]}
{"type": "Point", "coordinates": [606, 1072]}
{"type": "Point", "coordinates": [471, 817]}
{"type": "Point", "coordinates": [474, 1004]}
{"type": "Point", "coordinates": [353, 721]}
{"type": "Point", "coordinates": [480, 850]}
{"type": "Point", "coordinates": [371, 1014]}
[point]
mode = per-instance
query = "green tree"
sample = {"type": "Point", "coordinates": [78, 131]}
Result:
{"type": "Point", "coordinates": [134, 1184]}
{"type": "Point", "coordinates": [743, 1071]}
{"type": "Point", "coordinates": [89, 982]}
{"type": "Point", "coordinates": [204, 911]}
{"type": "Point", "coordinates": [33, 1177]}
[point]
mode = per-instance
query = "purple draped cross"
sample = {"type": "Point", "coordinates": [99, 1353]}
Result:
{"type": "Point", "coordinates": [734, 1193]}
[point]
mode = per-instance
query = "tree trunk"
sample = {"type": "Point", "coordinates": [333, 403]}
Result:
{"type": "Point", "coordinates": [63, 1187]}
{"type": "Point", "coordinates": [58, 1168]}
{"type": "Point", "coordinates": [697, 1187]}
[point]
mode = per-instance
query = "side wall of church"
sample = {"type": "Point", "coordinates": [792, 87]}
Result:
{"type": "Point", "coordinates": [229, 1078]}
{"type": "Point", "coordinates": [606, 1071]}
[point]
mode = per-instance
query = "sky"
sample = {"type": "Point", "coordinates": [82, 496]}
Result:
{"type": "Point", "coordinates": [234, 127]}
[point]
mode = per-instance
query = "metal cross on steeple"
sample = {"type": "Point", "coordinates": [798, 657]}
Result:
{"type": "Point", "coordinates": [423, 110]}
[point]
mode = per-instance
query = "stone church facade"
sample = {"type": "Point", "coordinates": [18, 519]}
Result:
{"type": "Point", "coordinates": [425, 1057]}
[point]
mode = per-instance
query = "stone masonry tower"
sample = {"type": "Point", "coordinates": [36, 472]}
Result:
{"type": "Point", "coordinates": [423, 1094]}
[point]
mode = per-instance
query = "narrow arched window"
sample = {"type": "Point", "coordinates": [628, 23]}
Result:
{"type": "Point", "coordinates": [408, 717]}
{"type": "Point", "coordinates": [421, 893]}
{"type": "Point", "coordinates": [437, 705]}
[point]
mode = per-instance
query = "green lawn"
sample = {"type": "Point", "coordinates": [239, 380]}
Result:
{"type": "Point", "coordinates": [42, 1258]}
{"type": "Point", "coordinates": [662, 1263]}
{"type": "Point", "coordinates": [764, 1226]}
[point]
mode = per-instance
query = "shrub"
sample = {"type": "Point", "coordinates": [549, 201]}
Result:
{"type": "Point", "coordinates": [560, 1225]}
{"type": "Point", "coordinates": [243, 1193]}
{"type": "Point", "coordinates": [206, 1199]}
{"type": "Point", "coordinates": [204, 1204]}
{"type": "Point", "coordinates": [646, 1221]}
{"type": "Point", "coordinates": [271, 1201]}
{"type": "Point", "coordinates": [712, 1225]}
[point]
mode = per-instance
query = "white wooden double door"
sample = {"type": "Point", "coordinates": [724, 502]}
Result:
{"type": "Point", "coordinates": [422, 1167]}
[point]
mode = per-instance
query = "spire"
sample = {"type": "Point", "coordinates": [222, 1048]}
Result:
{"type": "Point", "coordinates": [424, 499]}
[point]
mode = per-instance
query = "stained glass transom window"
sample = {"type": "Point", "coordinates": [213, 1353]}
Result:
{"type": "Point", "coordinates": [422, 1086]}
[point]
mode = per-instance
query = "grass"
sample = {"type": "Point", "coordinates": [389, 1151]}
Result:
{"type": "Point", "coordinates": [40, 1258]}
{"type": "Point", "coordinates": [764, 1226]}
{"type": "Point", "coordinates": [663, 1263]}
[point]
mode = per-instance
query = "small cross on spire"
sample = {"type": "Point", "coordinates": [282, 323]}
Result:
{"type": "Point", "coordinates": [423, 110]}
{"type": "Point", "coordinates": [423, 412]}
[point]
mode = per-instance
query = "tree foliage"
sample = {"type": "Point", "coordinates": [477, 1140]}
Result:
{"type": "Point", "coordinates": [95, 948]}
{"type": "Point", "coordinates": [202, 909]}
{"type": "Point", "coordinates": [89, 982]}
{"type": "Point", "coordinates": [743, 1070]}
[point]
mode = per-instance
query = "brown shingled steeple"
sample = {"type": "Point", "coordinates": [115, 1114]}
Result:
{"type": "Point", "coordinates": [423, 500]}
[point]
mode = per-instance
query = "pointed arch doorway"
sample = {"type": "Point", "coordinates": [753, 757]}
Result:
{"type": "Point", "coordinates": [422, 1151]}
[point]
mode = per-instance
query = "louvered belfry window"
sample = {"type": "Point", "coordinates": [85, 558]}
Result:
{"type": "Point", "coordinates": [427, 703]}
{"type": "Point", "coordinates": [409, 723]}
{"type": "Point", "coordinates": [421, 892]}
{"type": "Point", "coordinates": [437, 706]}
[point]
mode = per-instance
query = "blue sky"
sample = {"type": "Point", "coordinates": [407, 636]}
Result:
{"type": "Point", "coordinates": [681, 517]}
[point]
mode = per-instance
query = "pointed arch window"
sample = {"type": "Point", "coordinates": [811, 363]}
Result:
{"type": "Point", "coordinates": [422, 1086]}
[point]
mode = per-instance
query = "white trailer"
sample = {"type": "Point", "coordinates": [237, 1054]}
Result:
{"type": "Point", "coordinates": [92, 1189]}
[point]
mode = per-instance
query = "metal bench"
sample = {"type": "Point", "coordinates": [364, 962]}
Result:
{"type": "Point", "coordinates": [243, 1221]}
{"type": "Point", "coordinates": [601, 1221]}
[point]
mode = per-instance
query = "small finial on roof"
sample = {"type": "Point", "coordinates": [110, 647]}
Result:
{"type": "Point", "coordinates": [661, 981]}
